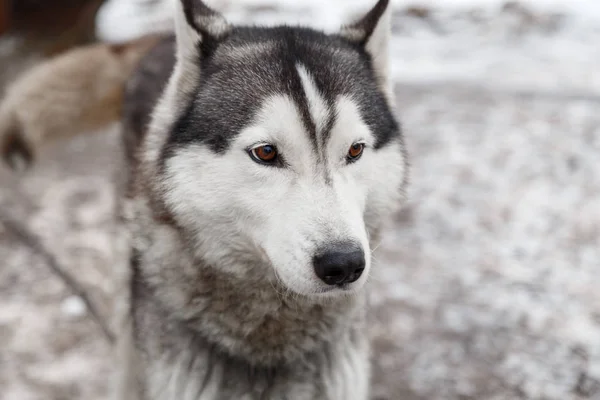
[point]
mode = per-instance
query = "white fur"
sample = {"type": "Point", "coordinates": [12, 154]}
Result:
{"type": "Point", "coordinates": [319, 111]}
{"type": "Point", "coordinates": [287, 214]}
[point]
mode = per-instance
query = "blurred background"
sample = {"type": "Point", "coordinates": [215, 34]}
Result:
{"type": "Point", "coordinates": [486, 284]}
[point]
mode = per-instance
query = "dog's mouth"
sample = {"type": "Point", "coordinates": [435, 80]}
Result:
{"type": "Point", "coordinates": [344, 287]}
{"type": "Point", "coordinates": [322, 292]}
{"type": "Point", "coordinates": [338, 291]}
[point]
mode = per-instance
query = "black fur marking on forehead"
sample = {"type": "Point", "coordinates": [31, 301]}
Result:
{"type": "Point", "coordinates": [234, 84]}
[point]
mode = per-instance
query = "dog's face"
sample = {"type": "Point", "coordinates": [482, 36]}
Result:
{"type": "Point", "coordinates": [285, 156]}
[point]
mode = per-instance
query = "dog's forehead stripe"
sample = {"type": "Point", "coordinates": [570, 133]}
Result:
{"type": "Point", "coordinates": [320, 111]}
{"type": "Point", "coordinates": [296, 89]}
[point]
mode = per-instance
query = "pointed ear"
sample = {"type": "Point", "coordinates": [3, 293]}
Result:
{"type": "Point", "coordinates": [373, 31]}
{"type": "Point", "coordinates": [197, 27]}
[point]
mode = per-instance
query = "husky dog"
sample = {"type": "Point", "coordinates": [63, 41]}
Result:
{"type": "Point", "coordinates": [262, 171]}
{"type": "Point", "coordinates": [262, 164]}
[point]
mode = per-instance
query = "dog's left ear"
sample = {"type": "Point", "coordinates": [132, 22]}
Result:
{"type": "Point", "coordinates": [373, 31]}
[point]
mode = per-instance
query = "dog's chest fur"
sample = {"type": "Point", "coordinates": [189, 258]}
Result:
{"type": "Point", "coordinates": [197, 371]}
{"type": "Point", "coordinates": [178, 364]}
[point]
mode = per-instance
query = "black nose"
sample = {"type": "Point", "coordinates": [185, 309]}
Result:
{"type": "Point", "coordinates": [340, 263]}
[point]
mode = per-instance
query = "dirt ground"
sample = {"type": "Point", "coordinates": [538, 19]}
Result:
{"type": "Point", "coordinates": [485, 286]}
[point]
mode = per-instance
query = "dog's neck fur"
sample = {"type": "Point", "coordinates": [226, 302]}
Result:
{"type": "Point", "coordinates": [225, 338]}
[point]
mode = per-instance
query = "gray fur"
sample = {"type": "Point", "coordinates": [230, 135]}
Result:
{"type": "Point", "coordinates": [213, 314]}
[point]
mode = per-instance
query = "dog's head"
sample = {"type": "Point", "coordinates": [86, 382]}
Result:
{"type": "Point", "coordinates": [278, 150]}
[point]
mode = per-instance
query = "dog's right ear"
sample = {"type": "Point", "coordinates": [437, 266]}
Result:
{"type": "Point", "coordinates": [198, 28]}
{"type": "Point", "coordinates": [373, 33]}
{"type": "Point", "coordinates": [198, 31]}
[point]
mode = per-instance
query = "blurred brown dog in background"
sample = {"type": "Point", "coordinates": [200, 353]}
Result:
{"type": "Point", "coordinates": [78, 91]}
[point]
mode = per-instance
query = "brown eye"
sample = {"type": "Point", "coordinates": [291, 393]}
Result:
{"type": "Point", "coordinates": [265, 154]}
{"type": "Point", "coordinates": [355, 151]}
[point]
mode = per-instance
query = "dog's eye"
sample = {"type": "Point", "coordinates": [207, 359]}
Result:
{"type": "Point", "coordinates": [356, 150]}
{"type": "Point", "coordinates": [265, 154]}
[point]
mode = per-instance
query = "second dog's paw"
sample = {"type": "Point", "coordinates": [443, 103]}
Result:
{"type": "Point", "coordinates": [16, 152]}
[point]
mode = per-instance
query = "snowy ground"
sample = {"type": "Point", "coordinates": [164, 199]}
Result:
{"type": "Point", "coordinates": [486, 284]}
